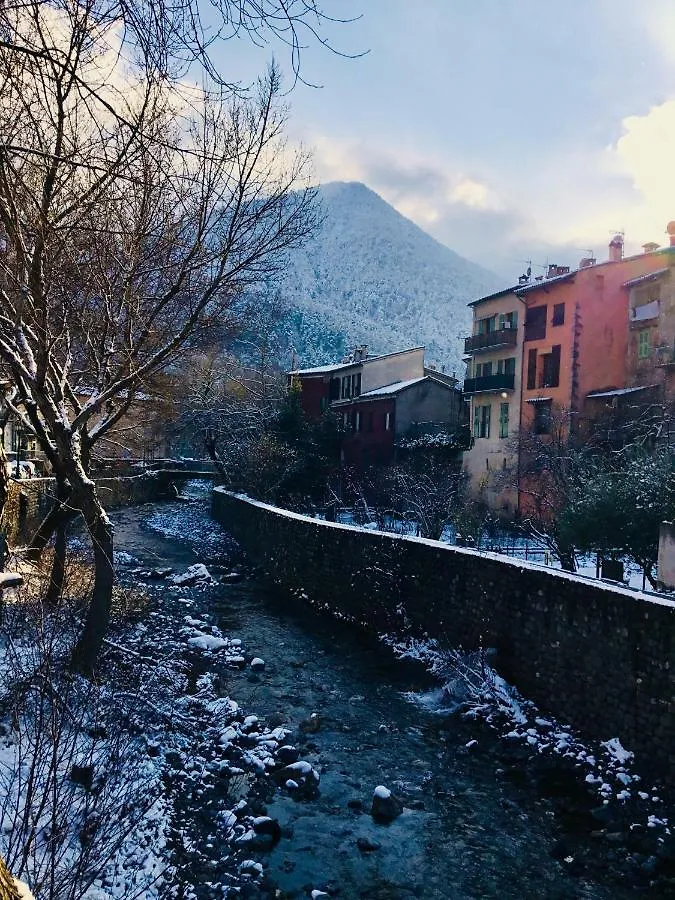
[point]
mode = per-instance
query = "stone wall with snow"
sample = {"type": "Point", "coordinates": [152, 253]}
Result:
{"type": "Point", "coordinates": [597, 656]}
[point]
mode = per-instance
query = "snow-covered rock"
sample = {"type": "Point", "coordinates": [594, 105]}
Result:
{"type": "Point", "coordinates": [197, 574]}
{"type": "Point", "coordinates": [385, 805]}
{"type": "Point", "coordinates": [207, 642]}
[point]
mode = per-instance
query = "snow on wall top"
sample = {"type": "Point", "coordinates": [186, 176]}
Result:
{"type": "Point", "coordinates": [523, 565]}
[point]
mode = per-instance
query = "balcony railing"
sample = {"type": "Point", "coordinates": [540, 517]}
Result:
{"type": "Point", "coordinates": [505, 337]}
{"type": "Point", "coordinates": [489, 383]}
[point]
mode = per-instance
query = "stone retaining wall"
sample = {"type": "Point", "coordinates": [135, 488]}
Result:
{"type": "Point", "coordinates": [30, 499]}
{"type": "Point", "coordinates": [599, 657]}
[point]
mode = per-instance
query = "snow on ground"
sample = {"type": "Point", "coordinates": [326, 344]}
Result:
{"type": "Point", "coordinates": [187, 748]}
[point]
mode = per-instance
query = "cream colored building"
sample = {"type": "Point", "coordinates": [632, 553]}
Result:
{"type": "Point", "coordinates": [492, 388]}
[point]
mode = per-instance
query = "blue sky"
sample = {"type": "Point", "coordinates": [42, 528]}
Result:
{"type": "Point", "coordinates": [508, 129]}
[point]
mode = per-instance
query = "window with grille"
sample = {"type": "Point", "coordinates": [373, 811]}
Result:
{"type": "Point", "coordinates": [644, 344]}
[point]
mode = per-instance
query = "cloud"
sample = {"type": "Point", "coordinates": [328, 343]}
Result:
{"type": "Point", "coordinates": [646, 151]}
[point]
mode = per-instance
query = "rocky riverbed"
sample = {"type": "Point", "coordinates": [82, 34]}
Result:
{"type": "Point", "coordinates": [302, 730]}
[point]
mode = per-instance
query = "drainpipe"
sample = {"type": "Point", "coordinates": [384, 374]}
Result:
{"type": "Point", "coordinates": [520, 406]}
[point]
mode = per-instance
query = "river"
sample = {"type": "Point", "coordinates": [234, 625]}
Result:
{"type": "Point", "coordinates": [479, 822]}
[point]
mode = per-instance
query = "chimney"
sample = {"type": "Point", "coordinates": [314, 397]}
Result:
{"type": "Point", "coordinates": [586, 262]}
{"type": "Point", "coordinates": [650, 247]}
{"type": "Point", "coordinates": [670, 228]}
{"type": "Point", "coordinates": [616, 248]}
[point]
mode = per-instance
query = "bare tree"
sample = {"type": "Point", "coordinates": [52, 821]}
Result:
{"type": "Point", "coordinates": [134, 208]}
{"type": "Point", "coordinates": [549, 462]}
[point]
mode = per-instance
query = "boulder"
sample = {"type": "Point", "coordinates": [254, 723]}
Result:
{"type": "Point", "coordinates": [385, 806]}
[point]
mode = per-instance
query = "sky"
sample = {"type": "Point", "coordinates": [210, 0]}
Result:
{"type": "Point", "coordinates": [510, 130]}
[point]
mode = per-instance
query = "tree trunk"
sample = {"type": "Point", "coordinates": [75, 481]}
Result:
{"type": "Point", "coordinates": [100, 528]}
{"type": "Point", "coordinates": [58, 573]}
{"type": "Point", "coordinates": [57, 517]}
{"type": "Point", "coordinates": [567, 560]}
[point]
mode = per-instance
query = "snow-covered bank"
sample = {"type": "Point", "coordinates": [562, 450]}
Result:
{"type": "Point", "coordinates": [629, 809]}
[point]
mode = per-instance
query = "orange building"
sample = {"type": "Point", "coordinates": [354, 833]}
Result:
{"type": "Point", "coordinates": [576, 335]}
{"type": "Point", "coordinates": [579, 349]}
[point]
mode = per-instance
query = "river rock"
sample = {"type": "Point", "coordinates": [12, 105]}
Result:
{"type": "Point", "coordinates": [304, 775]}
{"type": "Point", "coordinates": [385, 805]}
{"type": "Point", "coordinates": [231, 578]}
{"type": "Point", "coordinates": [287, 755]}
{"type": "Point", "coordinates": [159, 574]}
{"type": "Point", "coordinates": [365, 845]}
{"type": "Point", "coordinates": [197, 574]}
{"type": "Point", "coordinates": [257, 664]}
{"type": "Point", "coordinates": [311, 725]}
{"type": "Point", "coordinates": [268, 831]}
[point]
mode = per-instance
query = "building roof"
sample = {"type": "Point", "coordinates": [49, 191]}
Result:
{"type": "Point", "coordinates": [520, 289]}
{"type": "Point", "coordinates": [394, 388]}
{"type": "Point", "coordinates": [545, 282]}
{"type": "Point", "coordinates": [620, 392]}
{"type": "Point", "coordinates": [652, 276]}
{"type": "Point", "coordinates": [322, 370]}
{"type": "Point", "coordinates": [390, 390]}
{"type": "Point", "coordinates": [333, 367]}
{"type": "Point", "coordinates": [502, 293]}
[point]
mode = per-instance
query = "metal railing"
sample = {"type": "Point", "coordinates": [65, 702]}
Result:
{"type": "Point", "coordinates": [499, 382]}
{"type": "Point", "coordinates": [504, 337]}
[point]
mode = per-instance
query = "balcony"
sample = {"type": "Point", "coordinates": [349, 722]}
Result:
{"type": "Point", "coordinates": [479, 343]}
{"type": "Point", "coordinates": [489, 383]}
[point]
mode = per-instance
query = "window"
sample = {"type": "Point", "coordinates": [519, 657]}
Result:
{"type": "Point", "coordinates": [481, 422]}
{"type": "Point", "coordinates": [389, 421]}
{"type": "Point", "coordinates": [346, 385]}
{"type": "Point", "coordinates": [531, 370]}
{"type": "Point", "coordinates": [324, 403]}
{"type": "Point", "coordinates": [535, 323]}
{"type": "Point", "coordinates": [483, 369]}
{"type": "Point", "coordinates": [334, 389]}
{"type": "Point", "coordinates": [644, 344]}
{"type": "Point", "coordinates": [345, 420]}
{"type": "Point", "coordinates": [550, 375]}
{"type": "Point", "coordinates": [542, 417]}
{"type": "Point", "coordinates": [356, 385]}
{"type": "Point", "coordinates": [558, 314]}
{"type": "Point", "coordinates": [503, 420]}
{"type": "Point", "coordinates": [506, 366]}
{"type": "Point", "coordinates": [357, 421]}
{"type": "Point", "coordinates": [486, 326]}
{"type": "Point", "coordinates": [369, 422]}
{"type": "Point", "coordinates": [508, 320]}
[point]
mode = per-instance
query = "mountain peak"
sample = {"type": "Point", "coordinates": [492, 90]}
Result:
{"type": "Point", "coordinates": [370, 275]}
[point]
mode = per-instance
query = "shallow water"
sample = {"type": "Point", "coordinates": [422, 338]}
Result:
{"type": "Point", "coordinates": [474, 826]}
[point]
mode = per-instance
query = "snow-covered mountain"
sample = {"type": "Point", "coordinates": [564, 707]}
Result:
{"type": "Point", "coordinates": [371, 276]}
